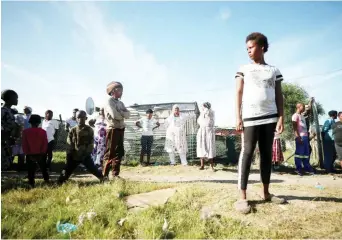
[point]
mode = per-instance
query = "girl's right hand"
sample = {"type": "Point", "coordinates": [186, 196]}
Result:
{"type": "Point", "coordinates": [239, 124]}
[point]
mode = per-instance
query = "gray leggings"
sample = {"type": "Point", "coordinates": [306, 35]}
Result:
{"type": "Point", "coordinates": [263, 134]}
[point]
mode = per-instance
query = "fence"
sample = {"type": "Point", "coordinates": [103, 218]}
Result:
{"type": "Point", "coordinates": [227, 143]}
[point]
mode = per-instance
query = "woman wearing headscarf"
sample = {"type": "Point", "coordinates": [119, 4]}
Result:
{"type": "Point", "coordinates": [176, 136]}
{"type": "Point", "coordinates": [99, 138]}
{"type": "Point", "coordinates": [206, 135]}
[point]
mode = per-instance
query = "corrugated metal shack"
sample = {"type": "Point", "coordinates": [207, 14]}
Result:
{"type": "Point", "coordinates": [161, 112]}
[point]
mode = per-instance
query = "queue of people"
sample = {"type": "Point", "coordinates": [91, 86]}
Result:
{"type": "Point", "coordinates": [100, 146]}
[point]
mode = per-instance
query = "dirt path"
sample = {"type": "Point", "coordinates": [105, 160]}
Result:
{"type": "Point", "coordinates": [173, 174]}
{"type": "Point", "coordinates": [192, 174]}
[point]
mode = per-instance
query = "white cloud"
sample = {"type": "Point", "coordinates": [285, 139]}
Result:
{"type": "Point", "coordinates": [224, 14]}
{"type": "Point", "coordinates": [112, 55]}
{"type": "Point", "coordinates": [116, 56]}
{"type": "Point", "coordinates": [313, 70]}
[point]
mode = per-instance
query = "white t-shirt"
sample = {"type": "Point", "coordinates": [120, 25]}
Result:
{"type": "Point", "coordinates": [258, 101]}
{"type": "Point", "coordinates": [147, 126]}
{"type": "Point", "coordinates": [50, 127]}
{"type": "Point", "coordinates": [71, 122]}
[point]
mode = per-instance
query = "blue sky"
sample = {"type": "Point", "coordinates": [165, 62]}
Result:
{"type": "Point", "coordinates": [56, 54]}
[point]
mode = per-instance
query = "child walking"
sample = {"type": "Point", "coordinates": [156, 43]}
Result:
{"type": "Point", "coordinates": [81, 143]}
{"type": "Point", "coordinates": [35, 144]}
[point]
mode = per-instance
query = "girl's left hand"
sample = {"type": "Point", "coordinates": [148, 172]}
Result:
{"type": "Point", "coordinates": [280, 125]}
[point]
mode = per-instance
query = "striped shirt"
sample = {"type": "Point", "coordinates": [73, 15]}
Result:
{"type": "Point", "coordinates": [258, 101]}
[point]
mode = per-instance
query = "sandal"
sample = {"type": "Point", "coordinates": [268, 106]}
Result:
{"type": "Point", "coordinates": [274, 199]}
{"type": "Point", "coordinates": [242, 206]}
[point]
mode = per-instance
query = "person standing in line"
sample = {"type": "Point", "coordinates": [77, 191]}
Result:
{"type": "Point", "coordinates": [51, 127]}
{"type": "Point", "coordinates": [314, 159]}
{"type": "Point", "coordinates": [27, 115]}
{"type": "Point", "coordinates": [71, 122]}
{"type": "Point", "coordinates": [307, 114]}
{"type": "Point", "coordinates": [337, 133]}
{"type": "Point", "coordinates": [148, 124]}
{"type": "Point", "coordinates": [176, 136]}
{"type": "Point", "coordinates": [17, 149]}
{"type": "Point", "coordinates": [81, 143]}
{"type": "Point", "coordinates": [35, 146]}
{"type": "Point", "coordinates": [8, 127]}
{"type": "Point", "coordinates": [23, 122]}
{"type": "Point", "coordinates": [115, 113]}
{"type": "Point", "coordinates": [258, 89]}
{"type": "Point", "coordinates": [328, 142]}
{"type": "Point", "coordinates": [302, 153]}
{"type": "Point", "coordinates": [100, 131]}
{"type": "Point", "coordinates": [206, 148]}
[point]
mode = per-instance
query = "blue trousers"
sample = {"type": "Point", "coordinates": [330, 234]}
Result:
{"type": "Point", "coordinates": [329, 154]}
{"type": "Point", "coordinates": [302, 155]}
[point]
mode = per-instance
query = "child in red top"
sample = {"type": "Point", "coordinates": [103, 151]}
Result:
{"type": "Point", "coordinates": [35, 145]}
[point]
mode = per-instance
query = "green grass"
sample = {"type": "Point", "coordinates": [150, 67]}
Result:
{"type": "Point", "coordinates": [34, 213]}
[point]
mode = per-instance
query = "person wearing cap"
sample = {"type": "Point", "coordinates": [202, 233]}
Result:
{"type": "Point", "coordinates": [71, 122]}
{"type": "Point", "coordinates": [35, 146]}
{"type": "Point", "coordinates": [115, 114]}
{"type": "Point", "coordinates": [176, 136]}
{"type": "Point", "coordinates": [206, 148]}
{"type": "Point", "coordinates": [147, 124]}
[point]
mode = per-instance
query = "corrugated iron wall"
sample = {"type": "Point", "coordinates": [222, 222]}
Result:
{"type": "Point", "coordinates": [161, 112]}
{"type": "Point", "coordinates": [227, 145]}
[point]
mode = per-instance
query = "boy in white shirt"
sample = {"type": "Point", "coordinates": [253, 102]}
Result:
{"type": "Point", "coordinates": [148, 124]}
{"type": "Point", "coordinates": [51, 127]}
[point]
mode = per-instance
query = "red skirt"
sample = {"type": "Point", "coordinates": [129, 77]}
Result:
{"type": "Point", "coordinates": [277, 154]}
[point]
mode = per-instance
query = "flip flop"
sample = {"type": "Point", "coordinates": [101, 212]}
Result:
{"type": "Point", "coordinates": [242, 206]}
{"type": "Point", "coordinates": [274, 199]}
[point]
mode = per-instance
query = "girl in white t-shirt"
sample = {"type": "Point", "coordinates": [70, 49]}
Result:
{"type": "Point", "coordinates": [258, 89]}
